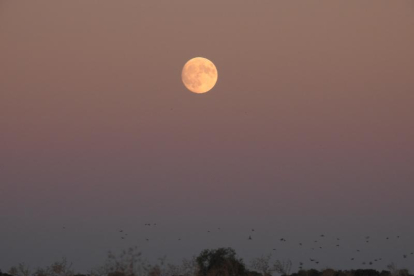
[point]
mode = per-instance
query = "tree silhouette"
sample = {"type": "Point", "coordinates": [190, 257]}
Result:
{"type": "Point", "coordinates": [220, 262]}
{"type": "Point", "coordinates": [262, 264]}
{"type": "Point", "coordinates": [282, 267]}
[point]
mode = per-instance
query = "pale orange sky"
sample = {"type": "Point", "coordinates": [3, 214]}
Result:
{"type": "Point", "coordinates": [311, 120]}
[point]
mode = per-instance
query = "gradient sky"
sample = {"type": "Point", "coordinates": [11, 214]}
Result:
{"type": "Point", "coordinates": [309, 130]}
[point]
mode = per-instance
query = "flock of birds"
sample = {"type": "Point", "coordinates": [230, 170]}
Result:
{"type": "Point", "coordinates": [337, 244]}
{"type": "Point", "coordinates": [367, 240]}
{"type": "Point", "coordinates": [314, 245]}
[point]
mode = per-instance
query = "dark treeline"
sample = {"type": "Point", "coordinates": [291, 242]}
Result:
{"type": "Point", "coordinates": [357, 272]}
{"type": "Point", "coordinates": [216, 262]}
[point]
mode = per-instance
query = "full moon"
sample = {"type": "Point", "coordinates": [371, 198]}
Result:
{"type": "Point", "coordinates": [199, 75]}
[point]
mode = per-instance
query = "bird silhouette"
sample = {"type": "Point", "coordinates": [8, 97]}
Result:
{"type": "Point", "coordinates": [250, 237]}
